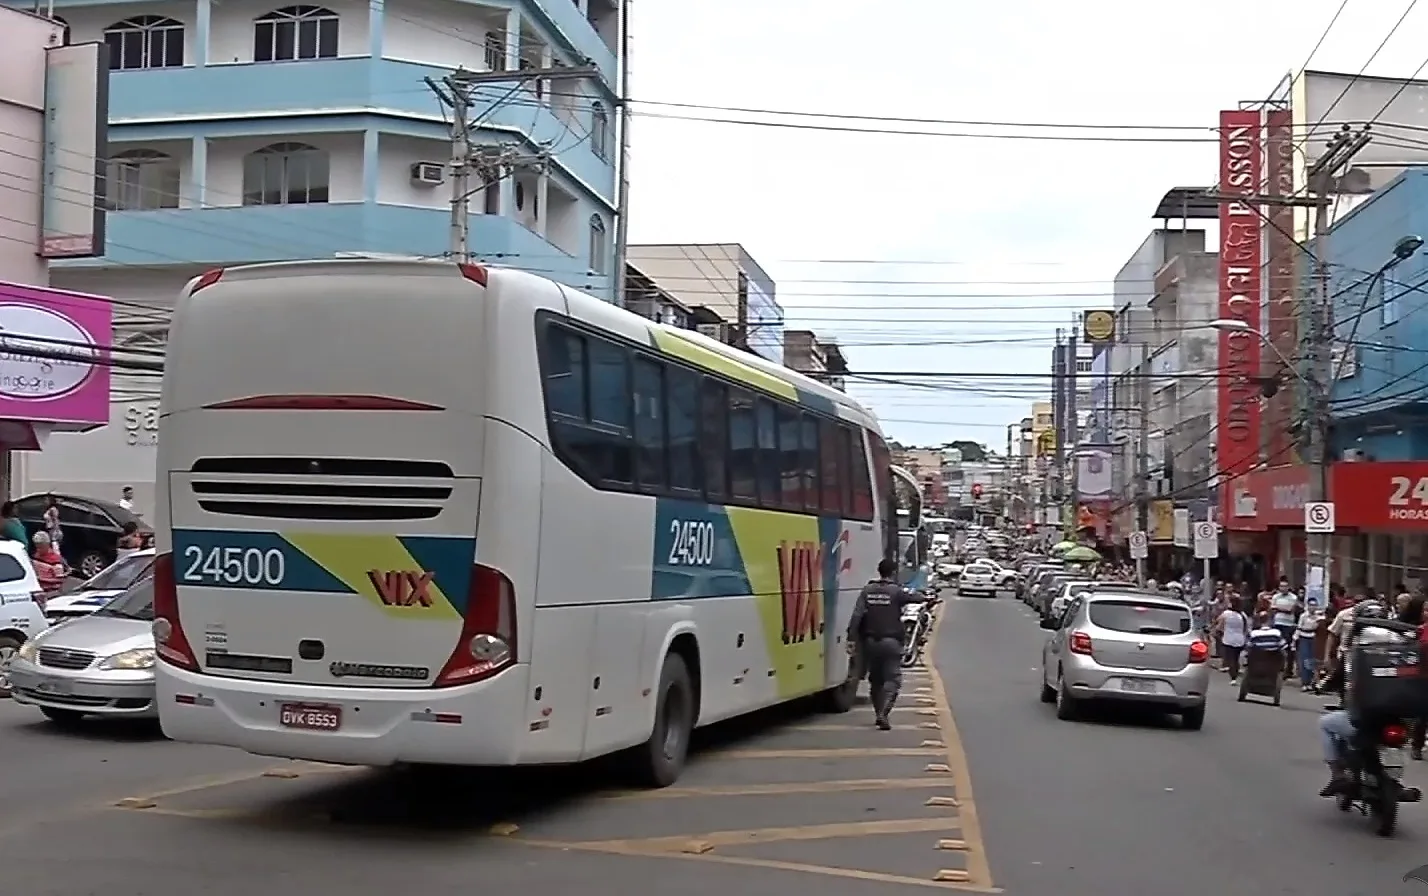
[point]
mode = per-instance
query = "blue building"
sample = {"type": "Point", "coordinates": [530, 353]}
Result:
{"type": "Point", "coordinates": [251, 130]}
{"type": "Point", "coordinates": [1380, 398]}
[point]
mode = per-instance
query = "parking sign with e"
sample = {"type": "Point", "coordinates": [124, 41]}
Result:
{"type": "Point", "coordinates": [1319, 516]}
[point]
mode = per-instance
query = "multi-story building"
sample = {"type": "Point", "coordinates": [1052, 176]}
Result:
{"type": "Point", "coordinates": [725, 279]}
{"type": "Point", "coordinates": [243, 132]}
{"type": "Point", "coordinates": [1183, 352]}
{"type": "Point", "coordinates": [815, 356]}
{"type": "Point", "coordinates": [645, 297]}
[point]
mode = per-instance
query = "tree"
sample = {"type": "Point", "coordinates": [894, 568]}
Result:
{"type": "Point", "coordinates": [972, 452]}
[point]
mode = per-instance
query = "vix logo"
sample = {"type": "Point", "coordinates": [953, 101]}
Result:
{"type": "Point", "coordinates": [402, 587]}
{"type": "Point", "coordinates": [800, 567]}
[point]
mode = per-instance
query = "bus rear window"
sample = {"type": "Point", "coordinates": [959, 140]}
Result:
{"type": "Point", "coordinates": [1139, 619]}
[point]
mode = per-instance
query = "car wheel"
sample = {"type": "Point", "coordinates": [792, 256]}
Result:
{"type": "Point", "coordinates": [92, 563]}
{"type": "Point", "coordinates": [1048, 693]}
{"type": "Point", "coordinates": [659, 761]}
{"type": "Point", "coordinates": [1193, 719]}
{"type": "Point", "coordinates": [9, 646]}
{"type": "Point", "coordinates": [1067, 707]}
{"type": "Point", "coordinates": [65, 717]}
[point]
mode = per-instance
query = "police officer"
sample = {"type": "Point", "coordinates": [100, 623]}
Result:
{"type": "Point", "coordinates": [876, 629]}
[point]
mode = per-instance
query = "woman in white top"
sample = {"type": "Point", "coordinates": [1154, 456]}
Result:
{"type": "Point", "coordinates": [1233, 628]}
{"type": "Point", "coordinates": [1305, 634]}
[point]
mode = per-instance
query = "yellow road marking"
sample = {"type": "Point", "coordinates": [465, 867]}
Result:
{"type": "Point", "coordinates": [776, 865]}
{"type": "Point", "coordinates": [979, 869]}
{"type": "Point", "coordinates": [834, 726]}
{"type": "Point", "coordinates": [752, 836]}
{"type": "Point", "coordinates": [855, 784]}
{"type": "Point", "coordinates": [830, 753]}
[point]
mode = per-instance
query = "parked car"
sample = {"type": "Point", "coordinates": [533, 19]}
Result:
{"type": "Point", "coordinates": [21, 616]}
{"type": "Point", "coordinates": [96, 592]}
{"type": "Point", "coordinates": [90, 527]}
{"type": "Point", "coordinates": [1074, 589]}
{"type": "Point", "coordinates": [981, 577]}
{"type": "Point", "coordinates": [101, 664]}
{"type": "Point", "coordinates": [1137, 647]}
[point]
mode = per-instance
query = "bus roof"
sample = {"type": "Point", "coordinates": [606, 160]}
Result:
{"type": "Point", "coordinates": [688, 346]}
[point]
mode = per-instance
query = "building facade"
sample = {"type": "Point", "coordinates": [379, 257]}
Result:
{"type": "Point", "coordinates": [246, 132]}
{"type": "Point", "coordinates": [724, 279]}
{"type": "Point", "coordinates": [815, 356]}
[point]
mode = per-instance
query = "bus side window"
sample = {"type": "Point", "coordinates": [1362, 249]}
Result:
{"type": "Point", "coordinates": [862, 484]}
{"type": "Point", "coordinates": [769, 473]}
{"type": "Point", "coordinates": [790, 451]}
{"type": "Point", "coordinates": [565, 373]}
{"type": "Point", "coordinates": [743, 446]}
{"type": "Point", "coordinates": [608, 441]}
{"type": "Point", "coordinates": [682, 417]}
{"type": "Point", "coordinates": [809, 462]}
{"type": "Point", "coordinates": [714, 450]}
{"type": "Point", "coordinates": [832, 467]}
{"type": "Point", "coordinates": [649, 425]}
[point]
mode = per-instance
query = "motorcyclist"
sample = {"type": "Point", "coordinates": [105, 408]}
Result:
{"type": "Point", "coordinates": [1336, 728]}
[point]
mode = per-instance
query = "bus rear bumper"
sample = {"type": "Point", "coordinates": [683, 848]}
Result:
{"type": "Point", "coordinates": [476, 724]}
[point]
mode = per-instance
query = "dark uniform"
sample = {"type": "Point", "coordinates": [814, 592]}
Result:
{"type": "Point", "coordinates": [876, 627]}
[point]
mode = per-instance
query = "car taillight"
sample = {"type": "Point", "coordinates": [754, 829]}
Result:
{"type": "Point", "coordinates": [488, 633]}
{"type": "Point", "coordinates": [1395, 735]}
{"type": "Point", "coordinates": [1080, 642]}
{"type": "Point", "coordinates": [169, 641]}
{"type": "Point", "coordinates": [1199, 652]}
{"type": "Point", "coordinates": [207, 279]}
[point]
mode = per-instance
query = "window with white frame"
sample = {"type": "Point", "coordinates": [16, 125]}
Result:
{"type": "Point", "coordinates": [495, 46]}
{"type": "Point", "coordinates": [1389, 304]}
{"type": "Point", "coordinates": [286, 174]}
{"type": "Point", "coordinates": [142, 180]}
{"type": "Point", "coordinates": [295, 32]}
{"type": "Point", "coordinates": [142, 42]}
{"type": "Point", "coordinates": [599, 129]}
{"type": "Point", "coordinates": [598, 243]}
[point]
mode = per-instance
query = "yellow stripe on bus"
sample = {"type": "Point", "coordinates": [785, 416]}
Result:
{"type": "Point", "coordinates": [686, 350]}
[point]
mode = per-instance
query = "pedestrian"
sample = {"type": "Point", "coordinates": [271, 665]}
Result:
{"type": "Point", "coordinates": [1233, 628]}
{"type": "Point", "coordinates": [126, 498]}
{"type": "Point", "coordinates": [129, 541]}
{"type": "Point", "coordinates": [1306, 631]}
{"type": "Point", "coordinates": [11, 529]}
{"type": "Point", "coordinates": [50, 567]}
{"type": "Point", "coordinates": [52, 522]}
{"type": "Point", "coordinates": [876, 630]}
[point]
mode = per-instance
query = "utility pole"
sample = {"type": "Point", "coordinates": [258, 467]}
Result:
{"type": "Point", "coordinates": [622, 169]}
{"type": "Point", "coordinates": [1058, 417]}
{"type": "Point", "coordinates": [1142, 455]}
{"type": "Point", "coordinates": [1319, 332]}
{"type": "Point", "coordinates": [1073, 429]}
{"type": "Point", "coordinates": [457, 92]}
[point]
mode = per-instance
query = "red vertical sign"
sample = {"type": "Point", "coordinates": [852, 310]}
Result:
{"type": "Point", "coordinates": [1241, 258]}
{"type": "Point", "coordinates": [1281, 267]}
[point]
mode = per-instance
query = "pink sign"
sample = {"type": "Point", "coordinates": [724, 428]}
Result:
{"type": "Point", "coordinates": [54, 353]}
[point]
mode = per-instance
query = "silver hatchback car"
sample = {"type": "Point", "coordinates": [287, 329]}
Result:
{"type": "Point", "coordinates": [1137, 647]}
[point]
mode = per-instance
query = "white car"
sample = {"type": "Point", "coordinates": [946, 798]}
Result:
{"type": "Point", "coordinates": [1004, 575]}
{"type": "Point", "coordinates": [21, 617]}
{"type": "Point", "coordinates": [98, 591]}
{"type": "Point", "coordinates": [980, 578]}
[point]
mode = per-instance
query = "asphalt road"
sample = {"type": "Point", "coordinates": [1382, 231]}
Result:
{"type": "Point", "coordinates": [1000, 798]}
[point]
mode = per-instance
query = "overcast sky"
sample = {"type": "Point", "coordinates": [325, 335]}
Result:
{"type": "Point", "coordinates": [990, 243]}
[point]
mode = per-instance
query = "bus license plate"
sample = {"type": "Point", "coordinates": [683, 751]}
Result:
{"type": "Point", "coordinates": [310, 716]}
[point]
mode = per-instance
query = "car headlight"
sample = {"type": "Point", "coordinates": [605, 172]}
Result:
{"type": "Point", "coordinates": [138, 658]}
{"type": "Point", "coordinates": [28, 651]}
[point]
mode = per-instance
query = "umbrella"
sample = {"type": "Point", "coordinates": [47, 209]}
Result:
{"type": "Point", "coordinates": [1063, 546]}
{"type": "Point", "coordinates": [1080, 554]}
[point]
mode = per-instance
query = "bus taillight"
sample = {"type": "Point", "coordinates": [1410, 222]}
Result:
{"type": "Point", "coordinates": [488, 633]}
{"type": "Point", "coordinates": [170, 643]}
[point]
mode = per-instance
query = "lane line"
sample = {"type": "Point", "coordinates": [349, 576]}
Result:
{"type": "Point", "coordinates": [979, 870]}
{"type": "Point", "coordinates": [753, 836]}
{"type": "Point", "coordinates": [775, 789]}
{"type": "Point", "coordinates": [774, 865]}
{"type": "Point", "coordinates": [829, 753]}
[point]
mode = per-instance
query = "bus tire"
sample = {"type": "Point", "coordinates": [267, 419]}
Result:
{"type": "Point", "coordinates": [660, 760]}
{"type": "Point", "coordinates": [842, 698]}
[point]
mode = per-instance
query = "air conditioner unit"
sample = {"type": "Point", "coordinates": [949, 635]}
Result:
{"type": "Point", "coordinates": [1355, 455]}
{"type": "Point", "coordinates": [714, 331]}
{"type": "Point", "coordinates": [428, 174]}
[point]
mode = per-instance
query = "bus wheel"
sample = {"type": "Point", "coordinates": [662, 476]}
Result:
{"type": "Point", "coordinates": [842, 698]}
{"type": "Point", "coordinates": [659, 762]}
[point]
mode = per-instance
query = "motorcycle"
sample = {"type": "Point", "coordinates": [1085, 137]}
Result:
{"type": "Point", "coordinates": [1374, 767]}
{"type": "Point", "coordinates": [916, 626]}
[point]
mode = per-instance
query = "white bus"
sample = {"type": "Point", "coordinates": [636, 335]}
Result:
{"type": "Point", "coordinates": [418, 512]}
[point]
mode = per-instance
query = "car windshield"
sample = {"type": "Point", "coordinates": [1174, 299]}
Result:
{"type": "Point", "coordinates": [1139, 619]}
{"type": "Point", "coordinates": [120, 574]}
{"type": "Point", "coordinates": [136, 603]}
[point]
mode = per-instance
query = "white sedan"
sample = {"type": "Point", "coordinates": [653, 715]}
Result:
{"type": "Point", "coordinates": [981, 577]}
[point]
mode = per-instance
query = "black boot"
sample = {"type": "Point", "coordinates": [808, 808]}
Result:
{"type": "Point", "coordinates": [884, 724]}
{"type": "Point", "coordinates": [1338, 781]}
